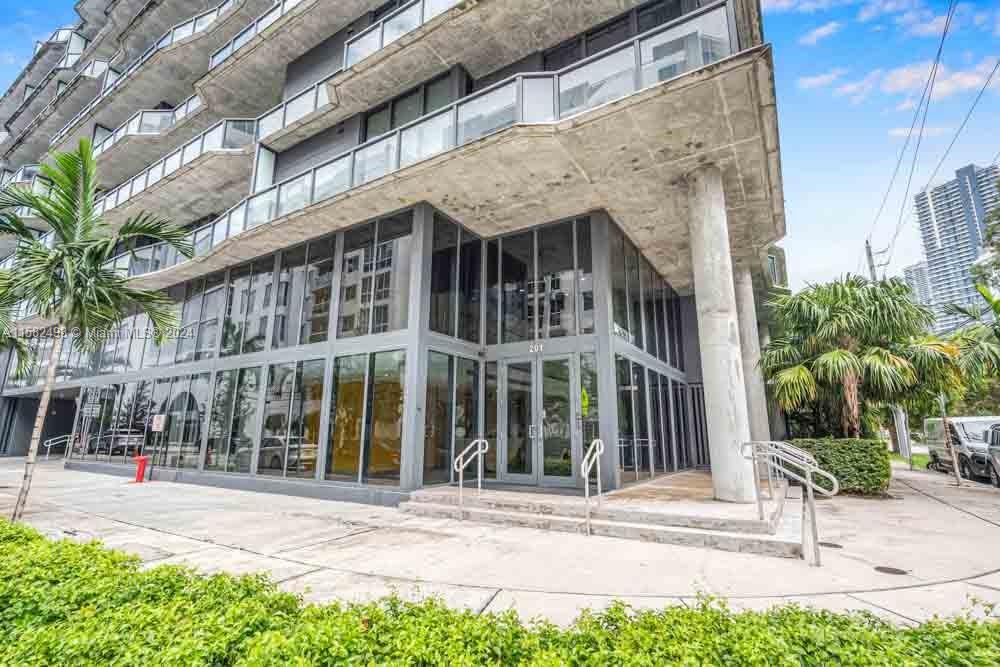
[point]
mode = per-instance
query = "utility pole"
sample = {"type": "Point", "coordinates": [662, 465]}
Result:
{"type": "Point", "coordinates": [871, 260]}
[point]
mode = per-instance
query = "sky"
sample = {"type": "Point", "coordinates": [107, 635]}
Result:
{"type": "Point", "coordinates": [848, 75]}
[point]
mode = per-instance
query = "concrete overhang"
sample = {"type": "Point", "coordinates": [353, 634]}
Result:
{"type": "Point", "coordinates": [42, 96]}
{"type": "Point", "coordinates": [480, 35]}
{"type": "Point", "coordinates": [34, 141]}
{"type": "Point", "coordinates": [152, 20]}
{"type": "Point", "coordinates": [105, 44]}
{"type": "Point", "coordinates": [93, 12]}
{"type": "Point", "coordinates": [629, 157]}
{"type": "Point", "coordinates": [168, 76]}
{"type": "Point", "coordinates": [135, 152]}
{"type": "Point", "coordinates": [251, 80]}
{"type": "Point", "coordinates": [39, 67]}
{"type": "Point", "coordinates": [207, 186]}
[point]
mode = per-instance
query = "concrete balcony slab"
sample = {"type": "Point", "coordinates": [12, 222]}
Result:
{"type": "Point", "coordinates": [152, 20]}
{"type": "Point", "coordinates": [33, 142]}
{"type": "Point", "coordinates": [481, 36]}
{"type": "Point", "coordinates": [43, 95]}
{"type": "Point", "coordinates": [105, 44]}
{"type": "Point", "coordinates": [39, 67]}
{"type": "Point", "coordinates": [629, 157]}
{"type": "Point", "coordinates": [135, 152]}
{"type": "Point", "coordinates": [251, 80]}
{"type": "Point", "coordinates": [167, 75]}
{"type": "Point", "coordinates": [206, 186]}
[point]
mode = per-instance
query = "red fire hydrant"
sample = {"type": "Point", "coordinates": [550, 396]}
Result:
{"type": "Point", "coordinates": [140, 468]}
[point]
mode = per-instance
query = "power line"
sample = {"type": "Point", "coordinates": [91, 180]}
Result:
{"type": "Point", "coordinates": [925, 95]}
{"type": "Point", "coordinates": [958, 132]}
{"type": "Point", "coordinates": [920, 135]}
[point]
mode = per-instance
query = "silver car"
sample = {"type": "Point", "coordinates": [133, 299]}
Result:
{"type": "Point", "coordinates": [993, 454]}
{"type": "Point", "coordinates": [968, 438]}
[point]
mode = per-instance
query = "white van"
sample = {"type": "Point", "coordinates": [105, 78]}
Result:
{"type": "Point", "coordinates": [968, 439]}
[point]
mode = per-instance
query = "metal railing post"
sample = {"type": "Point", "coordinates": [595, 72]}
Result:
{"type": "Point", "coordinates": [591, 459]}
{"type": "Point", "coordinates": [812, 518]}
{"type": "Point", "coordinates": [481, 446]}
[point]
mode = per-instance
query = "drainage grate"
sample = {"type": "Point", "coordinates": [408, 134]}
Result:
{"type": "Point", "coordinates": [890, 570]}
{"type": "Point", "coordinates": [831, 545]}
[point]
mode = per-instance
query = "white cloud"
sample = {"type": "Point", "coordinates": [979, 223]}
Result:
{"type": "Point", "coordinates": [802, 6]}
{"type": "Point", "coordinates": [821, 80]}
{"type": "Point", "coordinates": [901, 132]}
{"type": "Point", "coordinates": [813, 37]}
{"type": "Point", "coordinates": [906, 105]}
{"type": "Point", "coordinates": [873, 9]}
{"type": "Point", "coordinates": [859, 90]}
{"type": "Point", "coordinates": [913, 77]}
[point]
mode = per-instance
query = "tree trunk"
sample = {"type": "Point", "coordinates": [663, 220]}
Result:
{"type": "Point", "coordinates": [948, 444]}
{"type": "Point", "coordinates": [853, 410]}
{"type": "Point", "coordinates": [36, 434]}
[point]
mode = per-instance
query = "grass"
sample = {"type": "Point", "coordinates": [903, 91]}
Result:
{"type": "Point", "coordinates": [920, 461]}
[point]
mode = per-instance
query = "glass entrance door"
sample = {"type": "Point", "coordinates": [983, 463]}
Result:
{"type": "Point", "coordinates": [541, 438]}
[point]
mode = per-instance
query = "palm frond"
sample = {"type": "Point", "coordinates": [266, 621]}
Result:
{"type": "Point", "coordinates": [794, 387]}
{"type": "Point", "coordinates": [833, 366]}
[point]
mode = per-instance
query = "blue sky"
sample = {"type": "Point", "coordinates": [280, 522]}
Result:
{"type": "Point", "coordinates": [848, 73]}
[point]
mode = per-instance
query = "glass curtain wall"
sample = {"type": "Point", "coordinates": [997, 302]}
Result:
{"type": "Point", "coordinates": [451, 414]}
{"type": "Point", "coordinates": [456, 273]}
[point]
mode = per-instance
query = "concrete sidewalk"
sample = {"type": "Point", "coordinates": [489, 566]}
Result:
{"type": "Point", "coordinates": [942, 541]}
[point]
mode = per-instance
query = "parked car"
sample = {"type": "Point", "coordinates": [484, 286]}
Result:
{"type": "Point", "coordinates": [968, 438]}
{"type": "Point", "coordinates": [993, 454]}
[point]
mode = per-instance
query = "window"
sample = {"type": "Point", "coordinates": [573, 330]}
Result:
{"type": "Point", "coordinates": [410, 106]}
{"type": "Point", "coordinates": [291, 286]}
{"type": "Point", "coordinates": [438, 418]}
{"type": "Point", "coordinates": [316, 306]}
{"type": "Point", "coordinates": [290, 435]}
{"type": "Point", "coordinates": [350, 293]}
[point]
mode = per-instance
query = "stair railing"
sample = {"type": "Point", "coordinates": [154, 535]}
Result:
{"type": "Point", "coordinates": [790, 462]}
{"type": "Point", "coordinates": [591, 460]}
{"type": "Point", "coordinates": [475, 451]}
{"type": "Point", "coordinates": [54, 442]}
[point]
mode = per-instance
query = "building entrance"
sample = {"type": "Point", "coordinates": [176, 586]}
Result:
{"type": "Point", "coordinates": [541, 428]}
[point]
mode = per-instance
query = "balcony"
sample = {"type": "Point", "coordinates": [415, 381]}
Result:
{"type": "Point", "coordinates": [246, 76]}
{"type": "Point", "coordinates": [481, 36]}
{"type": "Point", "coordinates": [616, 132]}
{"type": "Point", "coordinates": [48, 54]}
{"type": "Point", "coordinates": [42, 93]}
{"type": "Point", "coordinates": [147, 135]}
{"type": "Point", "coordinates": [165, 71]}
{"type": "Point", "coordinates": [33, 141]}
{"type": "Point", "coordinates": [209, 173]}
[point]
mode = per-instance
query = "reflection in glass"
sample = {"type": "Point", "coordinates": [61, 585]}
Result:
{"type": "Point", "coordinates": [557, 419]}
{"type": "Point", "coordinates": [357, 270]}
{"type": "Point", "coordinates": [258, 305]}
{"type": "Point", "coordinates": [443, 276]}
{"type": "Point", "coordinates": [517, 271]}
{"type": "Point", "coordinates": [236, 308]}
{"type": "Point", "coordinates": [649, 285]}
{"type": "Point", "coordinates": [243, 434]}
{"type": "Point", "coordinates": [221, 419]}
{"type": "Point", "coordinates": [492, 291]}
{"type": "Point", "coordinates": [603, 80]}
{"type": "Point", "coordinates": [642, 427]}
{"type": "Point", "coordinates": [195, 407]}
{"type": "Point", "coordinates": [626, 419]}
{"type": "Point", "coordinates": [347, 420]}
{"type": "Point", "coordinates": [589, 403]}
{"type": "Point", "coordinates": [697, 42]}
{"type": "Point", "coordinates": [634, 294]}
{"type": "Point", "coordinates": [385, 417]}
{"type": "Point", "coordinates": [556, 281]}
{"type": "Point", "coordinates": [291, 284]}
{"type": "Point", "coordinates": [669, 442]}
{"type": "Point", "coordinates": [655, 421]}
{"type": "Point", "coordinates": [487, 113]}
{"type": "Point", "coordinates": [438, 419]}
{"type": "Point", "coordinates": [520, 440]}
{"type": "Point", "coordinates": [303, 446]}
{"type": "Point", "coordinates": [585, 276]}
{"type": "Point", "coordinates": [391, 288]}
{"type": "Point", "coordinates": [490, 422]}
{"type": "Point", "coordinates": [316, 307]}
{"type": "Point", "coordinates": [278, 404]}
{"type": "Point", "coordinates": [469, 278]}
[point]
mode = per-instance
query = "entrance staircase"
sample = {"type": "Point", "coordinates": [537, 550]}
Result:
{"type": "Point", "coordinates": [706, 524]}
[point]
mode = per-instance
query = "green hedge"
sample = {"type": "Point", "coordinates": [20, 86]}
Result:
{"type": "Point", "coordinates": [861, 466]}
{"type": "Point", "coordinates": [63, 603]}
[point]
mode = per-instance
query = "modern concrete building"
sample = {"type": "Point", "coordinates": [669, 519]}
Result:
{"type": "Point", "coordinates": [417, 224]}
{"type": "Point", "coordinates": [952, 219]}
{"type": "Point", "coordinates": [917, 278]}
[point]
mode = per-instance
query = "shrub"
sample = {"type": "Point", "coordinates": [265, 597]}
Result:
{"type": "Point", "coordinates": [861, 466]}
{"type": "Point", "coordinates": [67, 603]}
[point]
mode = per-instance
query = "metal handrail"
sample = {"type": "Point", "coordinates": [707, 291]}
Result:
{"type": "Point", "coordinates": [462, 461]}
{"type": "Point", "coordinates": [52, 442]}
{"type": "Point", "coordinates": [801, 466]}
{"type": "Point", "coordinates": [590, 459]}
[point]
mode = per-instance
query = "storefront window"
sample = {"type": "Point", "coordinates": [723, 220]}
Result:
{"type": "Point", "coordinates": [619, 286]}
{"type": "Point", "coordinates": [444, 276]}
{"type": "Point", "coordinates": [347, 420]}
{"type": "Point", "coordinates": [469, 279]}
{"type": "Point", "coordinates": [585, 276]}
{"type": "Point", "coordinates": [316, 308]}
{"type": "Point", "coordinates": [289, 442]}
{"type": "Point", "coordinates": [221, 420]}
{"type": "Point", "coordinates": [236, 308]}
{"type": "Point", "coordinates": [259, 306]}
{"type": "Point", "coordinates": [556, 283]}
{"type": "Point", "coordinates": [385, 417]}
{"type": "Point", "coordinates": [243, 435]}
{"type": "Point", "coordinates": [291, 286]}
{"type": "Point", "coordinates": [517, 271]}
{"type": "Point", "coordinates": [438, 418]}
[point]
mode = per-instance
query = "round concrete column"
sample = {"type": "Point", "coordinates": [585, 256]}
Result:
{"type": "Point", "coordinates": [719, 337]}
{"type": "Point", "coordinates": [746, 308]}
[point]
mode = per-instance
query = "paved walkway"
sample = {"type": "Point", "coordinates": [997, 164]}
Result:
{"type": "Point", "coordinates": [942, 541]}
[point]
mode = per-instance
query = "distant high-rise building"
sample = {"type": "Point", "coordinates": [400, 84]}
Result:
{"type": "Point", "coordinates": [952, 219]}
{"type": "Point", "coordinates": [916, 277]}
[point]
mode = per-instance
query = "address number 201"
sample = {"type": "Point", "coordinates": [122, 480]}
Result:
{"type": "Point", "coordinates": [536, 348]}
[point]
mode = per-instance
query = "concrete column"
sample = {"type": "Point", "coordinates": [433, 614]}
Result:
{"type": "Point", "coordinates": [750, 339]}
{"type": "Point", "coordinates": [719, 336]}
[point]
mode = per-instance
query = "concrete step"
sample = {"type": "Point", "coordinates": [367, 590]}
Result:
{"type": "Point", "coordinates": [786, 543]}
{"type": "Point", "coordinates": [546, 505]}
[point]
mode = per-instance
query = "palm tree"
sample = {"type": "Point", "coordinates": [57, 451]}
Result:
{"type": "Point", "coordinates": [8, 337]}
{"type": "Point", "coordinates": [69, 282]}
{"type": "Point", "coordinates": [978, 338]}
{"type": "Point", "coordinates": [850, 344]}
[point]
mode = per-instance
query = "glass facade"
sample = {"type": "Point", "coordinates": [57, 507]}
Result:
{"type": "Point", "coordinates": [289, 378]}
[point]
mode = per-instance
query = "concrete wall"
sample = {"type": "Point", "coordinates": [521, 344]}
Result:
{"type": "Point", "coordinates": [318, 148]}
{"type": "Point", "coordinates": [533, 63]}
{"type": "Point", "coordinates": [323, 60]}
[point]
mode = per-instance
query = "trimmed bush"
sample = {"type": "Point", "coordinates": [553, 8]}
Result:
{"type": "Point", "coordinates": [63, 603]}
{"type": "Point", "coordinates": [861, 466]}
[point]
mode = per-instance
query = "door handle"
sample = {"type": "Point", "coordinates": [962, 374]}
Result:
{"type": "Point", "coordinates": [531, 431]}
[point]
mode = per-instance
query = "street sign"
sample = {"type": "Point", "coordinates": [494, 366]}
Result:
{"type": "Point", "coordinates": [159, 423]}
